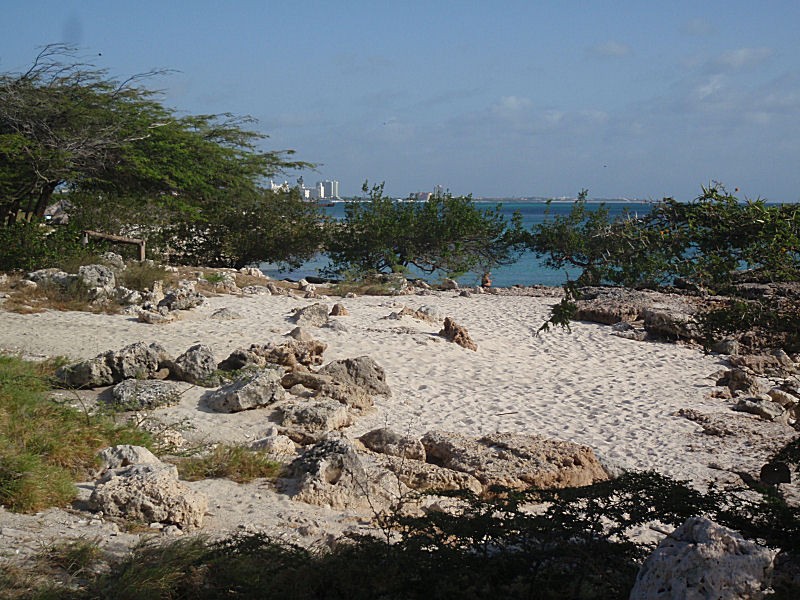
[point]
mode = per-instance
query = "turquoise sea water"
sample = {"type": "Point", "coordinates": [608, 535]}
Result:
{"type": "Point", "coordinates": [528, 270]}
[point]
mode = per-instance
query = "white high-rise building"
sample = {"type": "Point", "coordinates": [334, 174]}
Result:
{"type": "Point", "coordinates": [330, 189]}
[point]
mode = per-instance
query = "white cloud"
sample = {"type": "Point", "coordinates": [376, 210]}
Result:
{"type": "Point", "coordinates": [709, 87]}
{"type": "Point", "coordinates": [511, 106]}
{"type": "Point", "coordinates": [744, 57]}
{"type": "Point", "coordinates": [611, 49]}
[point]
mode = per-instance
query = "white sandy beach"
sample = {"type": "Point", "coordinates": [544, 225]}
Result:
{"type": "Point", "coordinates": [618, 396]}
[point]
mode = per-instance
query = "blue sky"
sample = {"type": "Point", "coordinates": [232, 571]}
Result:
{"type": "Point", "coordinates": [628, 99]}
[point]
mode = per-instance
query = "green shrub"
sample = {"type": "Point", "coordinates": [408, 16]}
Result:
{"type": "Point", "coordinates": [28, 246]}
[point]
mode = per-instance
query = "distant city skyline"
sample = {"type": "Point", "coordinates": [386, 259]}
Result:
{"type": "Point", "coordinates": [509, 99]}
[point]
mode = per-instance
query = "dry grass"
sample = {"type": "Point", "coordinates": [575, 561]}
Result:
{"type": "Point", "coordinates": [49, 296]}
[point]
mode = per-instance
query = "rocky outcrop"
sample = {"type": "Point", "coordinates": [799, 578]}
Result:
{"type": "Point", "coordinates": [99, 280]}
{"type": "Point", "coordinates": [145, 394]}
{"type": "Point", "coordinates": [362, 372]}
{"type": "Point", "coordinates": [701, 559]}
{"type": "Point", "coordinates": [225, 314]}
{"type": "Point", "coordinates": [315, 315]}
{"type": "Point", "coordinates": [310, 420]}
{"type": "Point", "coordinates": [308, 384]}
{"type": "Point", "coordinates": [427, 477]}
{"type": "Point", "coordinates": [252, 391]}
{"type": "Point", "coordinates": [515, 461]}
{"type": "Point", "coordinates": [457, 334]}
{"type": "Point", "coordinates": [274, 443]}
{"type": "Point", "coordinates": [184, 297]}
{"type": "Point", "coordinates": [124, 455]}
{"type": "Point", "coordinates": [339, 310]}
{"type": "Point", "coordinates": [330, 473]}
{"type": "Point", "coordinates": [136, 361]}
{"type": "Point", "coordinates": [289, 354]}
{"type": "Point", "coordinates": [662, 315]}
{"type": "Point", "coordinates": [775, 364]}
{"type": "Point", "coordinates": [386, 441]}
{"type": "Point", "coordinates": [197, 366]}
{"type": "Point", "coordinates": [150, 493]}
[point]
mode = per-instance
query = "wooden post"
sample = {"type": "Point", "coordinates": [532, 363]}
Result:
{"type": "Point", "coordinates": [116, 238]}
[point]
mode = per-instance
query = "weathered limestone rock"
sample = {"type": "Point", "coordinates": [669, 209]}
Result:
{"type": "Point", "coordinates": [289, 354]}
{"type": "Point", "coordinates": [418, 314]}
{"type": "Point", "coordinates": [784, 398]}
{"type": "Point", "coordinates": [767, 410]}
{"type": "Point", "coordinates": [256, 290]}
{"type": "Point", "coordinates": [145, 394]}
{"type": "Point", "coordinates": [124, 455]}
{"type": "Point", "coordinates": [150, 493]}
{"type": "Point", "coordinates": [252, 272]}
{"type": "Point", "coordinates": [332, 473]}
{"type": "Point", "coordinates": [183, 298]}
{"type": "Point", "coordinates": [113, 260]}
{"type": "Point", "coordinates": [244, 358]}
{"type": "Point", "coordinates": [449, 284]}
{"type": "Point", "coordinates": [325, 386]}
{"type": "Point", "coordinates": [300, 334]}
{"type": "Point", "coordinates": [777, 363]}
{"type": "Point", "coordinates": [52, 275]}
{"type": "Point", "coordinates": [127, 297]}
{"type": "Point", "coordinates": [386, 441]}
{"type": "Point", "coordinates": [296, 352]}
{"type": "Point", "coordinates": [99, 279]}
{"type": "Point", "coordinates": [152, 317]}
{"type": "Point", "coordinates": [738, 379]}
{"type": "Point", "coordinates": [259, 389]}
{"type": "Point", "coordinates": [313, 418]}
{"type": "Point", "coordinates": [275, 443]}
{"type": "Point", "coordinates": [136, 361]}
{"type": "Point", "coordinates": [670, 322]}
{"type": "Point", "coordinates": [427, 477]}
{"type": "Point", "coordinates": [515, 461]}
{"type": "Point", "coordinates": [225, 314]}
{"type": "Point", "coordinates": [362, 372]}
{"type": "Point", "coordinates": [457, 334]}
{"type": "Point", "coordinates": [315, 315]}
{"type": "Point", "coordinates": [701, 559]}
{"type": "Point", "coordinates": [339, 310]}
{"type": "Point", "coordinates": [197, 366]}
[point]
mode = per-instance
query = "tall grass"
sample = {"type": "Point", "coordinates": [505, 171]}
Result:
{"type": "Point", "coordinates": [46, 446]}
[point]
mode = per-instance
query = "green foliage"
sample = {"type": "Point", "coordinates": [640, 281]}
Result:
{"type": "Point", "coordinates": [262, 226]}
{"type": "Point", "coordinates": [231, 462]}
{"type": "Point", "coordinates": [446, 234]}
{"type": "Point", "coordinates": [45, 446]}
{"type": "Point", "coordinates": [131, 165]}
{"type": "Point", "coordinates": [28, 246]}
{"type": "Point", "coordinates": [710, 243]}
{"type": "Point", "coordinates": [770, 322]}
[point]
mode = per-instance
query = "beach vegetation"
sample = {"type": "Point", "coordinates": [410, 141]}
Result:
{"type": "Point", "coordinates": [142, 276]}
{"type": "Point", "coordinates": [46, 445]}
{"type": "Point", "coordinates": [711, 243]}
{"type": "Point", "coordinates": [448, 235]}
{"type": "Point", "coordinates": [715, 244]}
{"type": "Point", "coordinates": [125, 164]}
{"type": "Point", "coordinates": [236, 463]}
